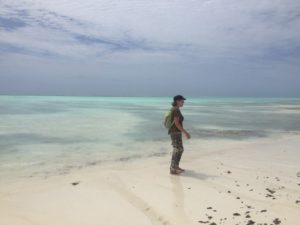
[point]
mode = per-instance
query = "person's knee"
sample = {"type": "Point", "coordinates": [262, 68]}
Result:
{"type": "Point", "coordinates": [176, 149]}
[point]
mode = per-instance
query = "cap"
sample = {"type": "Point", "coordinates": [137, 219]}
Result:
{"type": "Point", "coordinates": [179, 97]}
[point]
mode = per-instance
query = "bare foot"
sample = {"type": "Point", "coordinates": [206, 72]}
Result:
{"type": "Point", "coordinates": [178, 168]}
{"type": "Point", "coordinates": [175, 171]}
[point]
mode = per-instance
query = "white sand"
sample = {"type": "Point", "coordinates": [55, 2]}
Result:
{"type": "Point", "coordinates": [143, 192]}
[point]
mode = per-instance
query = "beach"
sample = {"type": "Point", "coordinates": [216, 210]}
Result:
{"type": "Point", "coordinates": [94, 95]}
{"type": "Point", "coordinates": [253, 181]}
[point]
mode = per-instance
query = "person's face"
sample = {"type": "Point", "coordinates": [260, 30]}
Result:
{"type": "Point", "coordinates": [180, 103]}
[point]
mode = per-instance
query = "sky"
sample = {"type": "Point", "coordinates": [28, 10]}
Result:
{"type": "Point", "coordinates": [150, 48]}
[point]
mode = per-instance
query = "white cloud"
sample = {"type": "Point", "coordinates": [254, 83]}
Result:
{"type": "Point", "coordinates": [207, 28]}
{"type": "Point", "coordinates": [107, 37]}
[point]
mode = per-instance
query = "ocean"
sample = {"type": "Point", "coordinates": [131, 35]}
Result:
{"type": "Point", "coordinates": [45, 135]}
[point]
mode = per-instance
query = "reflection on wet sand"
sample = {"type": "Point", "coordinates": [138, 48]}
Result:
{"type": "Point", "coordinates": [194, 174]}
{"type": "Point", "coordinates": [178, 206]}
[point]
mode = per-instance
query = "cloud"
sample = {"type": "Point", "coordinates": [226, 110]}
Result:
{"type": "Point", "coordinates": [148, 34]}
{"type": "Point", "coordinates": [11, 24]}
{"type": "Point", "coordinates": [213, 27]}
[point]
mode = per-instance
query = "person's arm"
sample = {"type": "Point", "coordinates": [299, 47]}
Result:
{"type": "Point", "coordinates": [178, 125]}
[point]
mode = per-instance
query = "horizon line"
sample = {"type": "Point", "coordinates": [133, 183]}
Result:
{"type": "Point", "coordinates": [141, 96]}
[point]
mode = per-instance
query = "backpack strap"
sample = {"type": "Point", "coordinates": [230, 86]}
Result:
{"type": "Point", "coordinates": [172, 109]}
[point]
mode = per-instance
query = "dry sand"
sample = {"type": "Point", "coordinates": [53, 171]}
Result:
{"type": "Point", "coordinates": [253, 181]}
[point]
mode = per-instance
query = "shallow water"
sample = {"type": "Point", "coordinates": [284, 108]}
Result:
{"type": "Point", "coordinates": [54, 134]}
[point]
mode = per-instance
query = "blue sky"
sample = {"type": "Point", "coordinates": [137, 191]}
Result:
{"type": "Point", "coordinates": [150, 48]}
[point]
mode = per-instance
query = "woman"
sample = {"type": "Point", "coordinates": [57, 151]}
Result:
{"type": "Point", "coordinates": [176, 134]}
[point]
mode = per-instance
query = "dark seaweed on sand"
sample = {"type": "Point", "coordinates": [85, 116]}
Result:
{"type": "Point", "coordinates": [75, 183]}
{"type": "Point", "coordinates": [276, 221]}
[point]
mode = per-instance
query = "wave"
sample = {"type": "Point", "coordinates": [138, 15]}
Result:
{"type": "Point", "coordinates": [226, 133]}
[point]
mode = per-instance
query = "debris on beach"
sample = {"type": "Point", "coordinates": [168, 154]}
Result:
{"type": "Point", "coordinates": [271, 191]}
{"type": "Point", "coordinates": [276, 221]}
{"type": "Point", "coordinates": [75, 183]}
{"type": "Point", "coordinates": [249, 207]}
{"type": "Point", "coordinates": [270, 195]}
{"type": "Point", "coordinates": [200, 221]}
{"type": "Point", "coordinates": [214, 210]}
{"type": "Point", "coordinates": [250, 222]}
{"type": "Point", "coordinates": [209, 217]}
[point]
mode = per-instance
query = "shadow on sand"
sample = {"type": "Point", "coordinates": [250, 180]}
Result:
{"type": "Point", "coordinates": [196, 175]}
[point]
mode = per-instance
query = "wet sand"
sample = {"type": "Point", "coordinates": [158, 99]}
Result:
{"type": "Point", "coordinates": [253, 181]}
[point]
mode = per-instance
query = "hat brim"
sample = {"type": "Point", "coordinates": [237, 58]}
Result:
{"type": "Point", "coordinates": [180, 97]}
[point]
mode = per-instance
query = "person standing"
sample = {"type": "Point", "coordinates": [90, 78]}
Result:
{"type": "Point", "coordinates": [175, 133]}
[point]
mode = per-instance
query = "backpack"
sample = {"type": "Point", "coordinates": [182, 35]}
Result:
{"type": "Point", "coordinates": [167, 121]}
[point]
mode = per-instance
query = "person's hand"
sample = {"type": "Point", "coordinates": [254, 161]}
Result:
{"type": "Point", "coordinates": [187, 135]}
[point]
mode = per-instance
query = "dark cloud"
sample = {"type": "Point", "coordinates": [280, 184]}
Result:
{"type": "Point", "coordinates": [11, 23]}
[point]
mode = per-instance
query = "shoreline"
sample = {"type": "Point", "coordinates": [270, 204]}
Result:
{"type": "Point", "coordinates": [194, 145]}
{"type": "Point", "coordinates": [254, 180]}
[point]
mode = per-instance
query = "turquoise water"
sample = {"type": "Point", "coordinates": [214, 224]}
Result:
{"type": "Point", "coordinates": [61, 133]}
